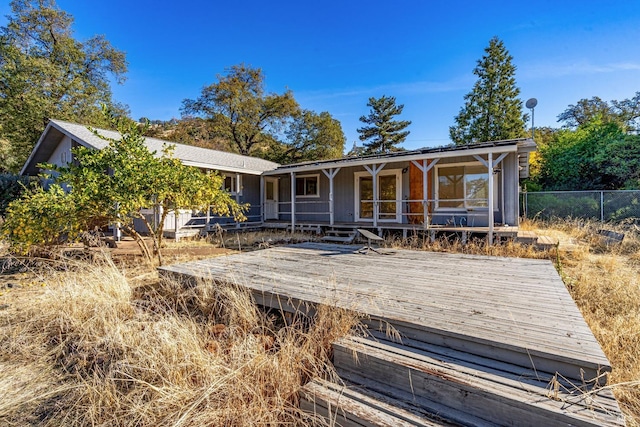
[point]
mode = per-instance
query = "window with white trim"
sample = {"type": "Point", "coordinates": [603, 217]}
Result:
{"type": "Point", "coordinates": [463, 186]}
{"type": "Point", "coordinates": [308, 186]}
{"type": "Point", "coordinates": [231, 184]}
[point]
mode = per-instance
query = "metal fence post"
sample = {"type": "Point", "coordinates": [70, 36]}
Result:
{"type": "Point", "coordinates": [601, 206]}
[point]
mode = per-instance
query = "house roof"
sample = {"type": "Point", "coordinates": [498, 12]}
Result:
{"type": "Point", "coordinates": [520, 145]}
{"type": "Point", "coordinates": [188, 154]}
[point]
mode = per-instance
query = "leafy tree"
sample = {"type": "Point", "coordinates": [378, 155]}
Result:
{"type": "Point", "coordinates": [45, 73]}
{"type": "Point", "coordinates": [596, 156]}
{"type": "Point", "coordinates": [310, 136]}
{"type": "Point", "coordinates": [628, 111]}
{"type": "Point", "coordinates": [138, 179]}
{"type": "Point", "coordinates": [192, 131]}
{"type": "Point", "coordinates": [492, 110]}
{"type": "Point", "coordinates": [625, 112]}
{"type": "Point", "coordinates": [382, 132]}
{"type": "Point", "coordinates": [241, 111]}
{"type": "Point", "coordinates": [585, 111]}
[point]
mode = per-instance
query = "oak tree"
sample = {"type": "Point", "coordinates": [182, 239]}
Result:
{"type": "Point", "coordinates": [46, 73]}
{"type": "Point", "coordinates": [241, 111]}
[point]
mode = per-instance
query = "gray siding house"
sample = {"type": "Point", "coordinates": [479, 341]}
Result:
{"type": "Point", "coordinates": [466, 188]}
{"type": "Point", "coordinates": [242, 173]}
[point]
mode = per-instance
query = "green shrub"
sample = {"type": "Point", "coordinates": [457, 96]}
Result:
{"type": "Point", "coordinates": [41, 218]}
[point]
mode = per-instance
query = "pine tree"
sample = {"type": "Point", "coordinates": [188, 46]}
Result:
{"type": "Point", "coordinates": [492, 109]}
{"type": "Point", "coordinates": [383, 133]}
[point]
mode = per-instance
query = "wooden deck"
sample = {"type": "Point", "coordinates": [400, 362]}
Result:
{"type": "Point", "coordinates": [512, 311]}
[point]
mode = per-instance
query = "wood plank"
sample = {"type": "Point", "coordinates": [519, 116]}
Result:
{"type": "Point", "coordinates": [344, 406]}
{"type": "Point", "coordinates": [479, 391]}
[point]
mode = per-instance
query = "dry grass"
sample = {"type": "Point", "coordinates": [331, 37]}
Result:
{"type": "Point", "coordinates": [89, 349]}
{"type": "Point", "coordinates": [604, 281]}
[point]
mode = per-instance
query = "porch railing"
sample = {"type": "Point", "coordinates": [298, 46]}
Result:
{"type": "Point", "coordinates": [405, 211]}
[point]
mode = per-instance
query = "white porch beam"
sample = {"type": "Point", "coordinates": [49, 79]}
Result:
{"type": "Point", "coordinates": [293, 202]}
{"type": "Point", "coordinates": [491, 196]}
{"type": "Point", "coordinates": [207, 218]}
{"type": "Point", "coordinates": [262, 217]}
{"type": "Point", "coordinates": [500, 158]}
{"type": "Point", "coordinates": [237, 194]}
{"type": "Point", "coordinates": [374, 170]}
{"type": "Point", "coordinates": [331, 174]}
{"type": "Point", "coordinates": [496, 162]}
{"type": "Point", "coordinates": [406, 158]}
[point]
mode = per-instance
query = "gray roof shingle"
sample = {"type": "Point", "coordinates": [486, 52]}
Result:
{"type": "Point", "coordinates": [188, 154]}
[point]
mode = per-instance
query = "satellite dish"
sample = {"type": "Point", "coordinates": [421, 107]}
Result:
{"type": "Point", "coordinates": [531, 103]}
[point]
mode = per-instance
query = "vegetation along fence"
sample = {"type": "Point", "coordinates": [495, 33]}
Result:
{"type": "Point", "coordinates": [614, 206]}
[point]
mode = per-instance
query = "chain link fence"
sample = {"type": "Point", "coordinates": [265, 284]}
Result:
{"type": "Point", "coordinates": [610, 206]}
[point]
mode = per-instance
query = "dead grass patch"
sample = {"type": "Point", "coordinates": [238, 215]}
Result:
{"type": "Point", "coordinates": [90, 349]}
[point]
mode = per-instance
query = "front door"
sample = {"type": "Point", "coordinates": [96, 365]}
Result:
{"type": "Point", "coordinates": [271, 198]}
{"type": "Point", "coordinates": [389, 196]}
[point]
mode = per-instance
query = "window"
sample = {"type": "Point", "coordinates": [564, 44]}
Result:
{"type": "Point", "coordinates": [308, 186]}
{"type": "Point", "coordinates": [230, 184]}
{"type": "Point", "coordinates": [463, 186]}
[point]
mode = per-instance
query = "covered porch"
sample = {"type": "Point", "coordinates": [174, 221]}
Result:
{"type": "Point", "coordinates": [462, 189]}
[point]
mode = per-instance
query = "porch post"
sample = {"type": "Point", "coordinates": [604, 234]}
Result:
{"type": "Point", "coordinates": [331, 174]}
{"type": "Point", "coordinates": [425, 195]}
{"type": "Point", "coordinates": [425, 167]}
{"type": "Point", "coordinates": [238, 194]}
{"type": "Point", "coordinates": [208, 218]}
{"type": "Point", "coordinates": [175, 224]}
{"type": "Point", "coordinates": [373, 170]}
{"type": "Point", "coordinates": [293, 202]}
{"type": "Point", "coordinates": [491, 195]}
{"type": "Point", "coordinates": [262, 199]}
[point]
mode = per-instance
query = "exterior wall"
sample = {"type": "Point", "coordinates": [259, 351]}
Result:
{"type": "Point", "coordinates": [251, 195]}
{"type": "Point", "coordinates": [62, 154]}
{"type": "Point", "coordinates": [511, 174]}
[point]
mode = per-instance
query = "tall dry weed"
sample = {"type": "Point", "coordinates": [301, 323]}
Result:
{"type": "Point", "coordinates": [90, 350]}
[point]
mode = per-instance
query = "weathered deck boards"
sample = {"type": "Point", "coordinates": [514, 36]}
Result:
{"type": "Point", "coordinates": [513, 309]}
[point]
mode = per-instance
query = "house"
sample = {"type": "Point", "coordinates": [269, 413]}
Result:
{"type": "Point", "coordinates": [242, 173]}
{"type": "Point", "coordinates": [472, 188]}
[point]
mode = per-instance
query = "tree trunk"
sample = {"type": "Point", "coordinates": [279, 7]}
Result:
{"type": "Point", "coordinates": [140, 241]}
{"type": "Point", "coordinates": [156, 238]}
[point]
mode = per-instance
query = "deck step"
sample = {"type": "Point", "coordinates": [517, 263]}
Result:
{"type": "Point", "coordinates": [546, 242]}
{"type": "Point", "coordinates": [347, 405]}
{"type": "Point", "coordinates": [339, 235]}
{"type": "Point", "coordinates": [338, 239]}
{"type": "Point", "coordinates": [468, 389]}
{"type": "Point", "coordinates": [527, 237]}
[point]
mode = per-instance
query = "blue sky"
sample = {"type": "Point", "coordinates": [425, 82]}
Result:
{"type": "Point", "coordinates": [334, 55]}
